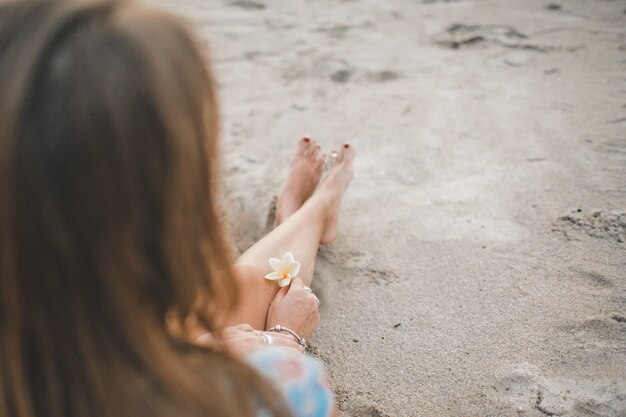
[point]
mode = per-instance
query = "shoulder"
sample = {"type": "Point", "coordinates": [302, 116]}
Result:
{"type": "Point", "coordinates": [301, 379]}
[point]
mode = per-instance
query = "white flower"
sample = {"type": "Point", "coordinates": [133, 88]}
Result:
{"type": "Point", "coordinates": [284, 269]}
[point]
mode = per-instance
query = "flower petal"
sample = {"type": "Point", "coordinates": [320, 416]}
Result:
{"type": "Point", "coordinates": [293, 268]}
{"type": "Point", "coordinates": [288, 258]}
{"type": "Point", "coordinates": [284, 282]}
{"type": "Point", "coordinates": [274, 276]}
{"type": "Point", "coordinates": [276, 264]}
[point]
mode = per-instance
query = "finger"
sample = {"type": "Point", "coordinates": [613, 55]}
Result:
{"type": "Point", "coordinates": [312, 295]}
{"type": "Point", "coordinates": [281, 293]}
{"type": "Point", "coordinates": [310, 292]}
{"type": "Point", "coordinates": [244, 342]}
{"type": "Point", "coordinates": [283, 337]}
{"type": "Point", "coordinates": [296, 284]}
{"type": "Point", "coordinates": [313, 303]}
{"type": "Point", "coordinates": [277, 338]}
{"type": "Point", "coordinates": [227, 331]}
{"type": "Point", "coordinates": [280, 336]}
{"type": "Point", "coordinates": [203, 340]}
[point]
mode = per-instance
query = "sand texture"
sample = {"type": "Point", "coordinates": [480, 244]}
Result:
{"type": "Point", "coordinates": [480, 267]}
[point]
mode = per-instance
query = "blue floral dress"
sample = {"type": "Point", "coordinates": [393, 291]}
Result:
{"type": "Point", "coordinates": [300, 379]}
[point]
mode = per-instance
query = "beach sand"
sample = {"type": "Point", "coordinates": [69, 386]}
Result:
{"type": "Point", "coordinates": [480, 267]}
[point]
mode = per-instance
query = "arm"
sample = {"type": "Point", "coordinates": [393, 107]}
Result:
{"type": "Point", "coordinates": [263, 305]}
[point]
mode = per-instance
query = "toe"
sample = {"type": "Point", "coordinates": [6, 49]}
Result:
{"type": "Point", "coordinates": [334, 157]}
{"type": "Point", "coordinates": [342, 151]}
{"type": "Point", "coordinates": [348, 153]}
{"type": "Point", "coordinates": [320, 162]}
{"type": "Point", "coordinates": [314, 152]}
{"type": "Point", "coordinates": [303, 145]}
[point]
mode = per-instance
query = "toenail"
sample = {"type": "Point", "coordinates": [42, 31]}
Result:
{"type": "Point", "coordinates": [346, 145]}
{"type": "Point", "coordinates": [307, 139]}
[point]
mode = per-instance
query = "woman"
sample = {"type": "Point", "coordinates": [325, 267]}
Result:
{"type": "Point", "coordinates": [117, 297]}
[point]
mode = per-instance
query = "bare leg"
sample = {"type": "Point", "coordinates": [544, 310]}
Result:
{"type": "Point", "coordinates": [301, 233]}
{"type": "Point", "coordinates": [305, 171]}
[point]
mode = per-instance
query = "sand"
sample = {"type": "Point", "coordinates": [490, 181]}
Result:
{"type": "Point", "coordinates": [480, 267]}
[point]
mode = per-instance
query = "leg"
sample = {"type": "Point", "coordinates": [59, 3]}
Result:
{"type": "Point", "coordinates": [305, 171]}
{"type": "Point", "coordinates": [301, 234]}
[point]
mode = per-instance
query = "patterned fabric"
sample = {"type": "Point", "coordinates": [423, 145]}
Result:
{"type": "Point", "coordinates": [301, 379]}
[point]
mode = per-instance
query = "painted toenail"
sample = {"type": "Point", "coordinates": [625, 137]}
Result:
{"type": "Point", "coordinates": [307, 139]}
{"type": "Point", "coordinates": [346, 145]}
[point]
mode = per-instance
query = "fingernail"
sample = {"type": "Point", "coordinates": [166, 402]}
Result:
{"type": "Point", "coordinates": [346, 145]}
{"type": "Point", "coordinates": [307, 139]}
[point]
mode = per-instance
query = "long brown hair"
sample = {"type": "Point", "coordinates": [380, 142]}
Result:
{"type": "Point", "coordinates": [108, 224]}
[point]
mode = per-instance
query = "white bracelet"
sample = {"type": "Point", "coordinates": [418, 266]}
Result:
{"type": "Point", "coordinates": [278, 328]}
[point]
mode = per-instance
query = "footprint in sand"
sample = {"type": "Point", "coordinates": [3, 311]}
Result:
{"type": "Point", "coordinates": [338, 71]}
{"type": "Point", "coordinates": [354, 268]}
{"type": "Point", "coordinates": [606, 332]}
{"type": "Point", "coordinates": [594, 279]}
{"type": "Point", "coordinates": [382, 76]}
{"type": "Point", "coordinates": [376, 276]}
{"type": "Point", "coordinates": [517, 48]}
{"type": "Point", "coordinates": [524, 388]}
{"type": "Point", "coordinates": [603, 224]}
{"type": "Point", "coordinates": [619, 318]}
{"type": "Point", "coordinates": [368, 411]}
{"type": "Point", "coordinates": [341, 76]}
{"type": "Point", "coordinates": [460, 35]}
{"type": "Point", "coordinates": [358, 404]}
{"type": "Point", "coordinates": [248, 4]}
{"type": "Point", "coordinates": [344, 75]}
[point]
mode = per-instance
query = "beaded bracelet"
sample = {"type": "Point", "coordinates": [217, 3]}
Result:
{"type": "Point", "coordinates": [278, 328]}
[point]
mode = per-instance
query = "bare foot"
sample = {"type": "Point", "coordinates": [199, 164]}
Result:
{"type": "Point", "coordinates": [333, 187]}
{"type": "Point", "coordinates": [305, 172]}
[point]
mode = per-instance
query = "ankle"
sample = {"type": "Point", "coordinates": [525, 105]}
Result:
{"type": "Point", "coordinates": [320, 203]}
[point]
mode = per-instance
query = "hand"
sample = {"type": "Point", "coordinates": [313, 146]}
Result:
{"type": "Point", "coordinates": [295, 308]}
{"type": "Point", "coordinates": [243, 339]}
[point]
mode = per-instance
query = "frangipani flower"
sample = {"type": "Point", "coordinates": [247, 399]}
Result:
{"type": "Point", "coordinates": [284, 269]}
